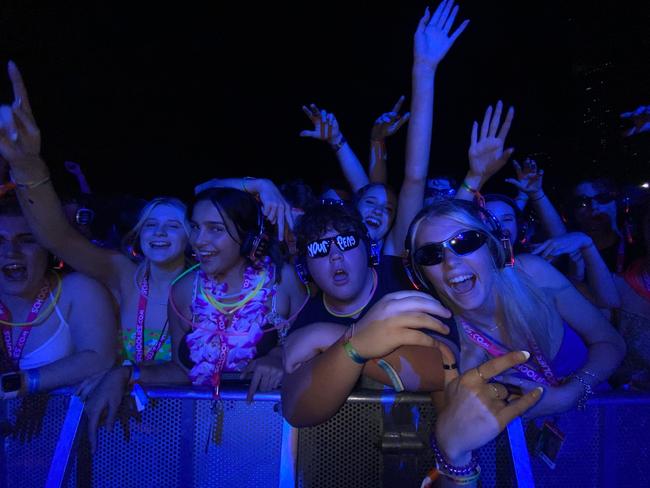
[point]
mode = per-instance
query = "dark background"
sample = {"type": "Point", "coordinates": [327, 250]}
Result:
{"type": "Point", "coordinates": [154, 100]}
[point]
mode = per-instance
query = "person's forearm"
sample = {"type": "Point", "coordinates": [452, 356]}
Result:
{"type": "Point", "coordinates": [73, 369]}
{"type": "Point", "coordinates": [551, 220]}
{"type": "Point", "coordinates": [316, 391]}
{"type": "Point", "coordinates": [84, 187]}
{"type": "Point", "coordinates": [378, 157]}
{"type": "Point", "coordinates": [599, 279]}
{"type": "Point", "coordinates": [42, 209]}
{"type": "Point", "coordinates": [418, 139]}
{"type": "Point", "coordinates": [351, 167]}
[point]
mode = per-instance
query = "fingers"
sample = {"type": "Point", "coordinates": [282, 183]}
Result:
{"type": "Point", "coordinates": [424, 20]}
{"type": "Point", "coordinates": [398, 106]}
{"type": "Point", "coordinates": [18, 85]}
{"type": "Point", "coordinates": [445, 13]}
{"type": "Point", "coordinates": [435, 18]}
{"type": "Point", "coordinates": [401, 121]}
{"type": "Point", "coordinates": [485, 126]}
{"type": "Point", "coordinates": [450, 21]}
{"type": "Point", "coordinates": [458, 32]}
{"type": "Point", "coordinates": [413, 301]}
{"type": "Point", "coordinates": [7, 120]}
{"type": "Point", "coordinates": [516, 183]}
{"type": "Point", "coordinates": [496, 366]}
{"type": "Point", "coordinates": [496, 119]}
{"type": "Point", "coordinates": [505, 128]}
{"type": "Point", "coordinates": [515, 409]}
{"type": "Point", "coordinates": [255, 382]}
{"type": "Point", "coordinates": [93, 424]}
{"type": "Point", "coordinates": [474, 136]}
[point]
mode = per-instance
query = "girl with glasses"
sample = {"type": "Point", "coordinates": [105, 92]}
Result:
{"type": "Point", "coordinates": [501, 304]}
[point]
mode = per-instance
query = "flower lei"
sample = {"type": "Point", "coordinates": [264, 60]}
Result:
{"type": "Point", "coordinates": [228, 341]}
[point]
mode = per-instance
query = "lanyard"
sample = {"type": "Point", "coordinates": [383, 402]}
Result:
{"type": "Point", "coordinates": [495, 349]}
{"type": "Point", "coordinates": [139, 326]}
{"type": "Point", "coordinates": [15, 352]}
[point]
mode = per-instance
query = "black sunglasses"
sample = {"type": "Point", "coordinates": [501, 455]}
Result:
{"type": "Point", "coordinates": [585, 201]}
{"type": "Point", "coordinates": [463, 243]}
{"type": "Point", "coordinates": [321, 247]}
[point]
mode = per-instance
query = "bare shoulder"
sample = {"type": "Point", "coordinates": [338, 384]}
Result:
{"type": "Point", "coordinates": [183, 289]}
{"type": "Point", "coordinates": [541, 272]}
{"type": "Point", "coordinates": [77, 285]}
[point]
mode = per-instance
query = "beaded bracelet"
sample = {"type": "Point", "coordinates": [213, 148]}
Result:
{"type": "Point", "coordinates": [461, 475]}
{"type": "Point", "coordinates": [586, 393]}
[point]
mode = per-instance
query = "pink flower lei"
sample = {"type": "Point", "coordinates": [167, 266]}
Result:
{"type": "Point", "coordinates": [228, 341]}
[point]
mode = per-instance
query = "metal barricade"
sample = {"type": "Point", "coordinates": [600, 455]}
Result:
{"type": "Point", "coordinates": [378, 438]}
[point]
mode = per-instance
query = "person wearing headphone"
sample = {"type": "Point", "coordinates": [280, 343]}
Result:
{"type": "Point", "coordinates": [338, 256]}
{"type": "Point", "coordinates": [226, 314]}
{"type": "Point", "coordinates": [458, 250]}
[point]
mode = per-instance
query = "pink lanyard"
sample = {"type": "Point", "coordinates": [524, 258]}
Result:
{"type": "Point", "coordinates": [139, 326]}
{"type": "Point", "coordinates": [495, 349]}
{"type": "Point", "coordinates": [16, 352]}
{"type": "Point", "coordinates": [223, 356]}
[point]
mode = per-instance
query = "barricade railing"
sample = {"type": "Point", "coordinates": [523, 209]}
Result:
{"type": "Point", "coordinates": [378, 438]}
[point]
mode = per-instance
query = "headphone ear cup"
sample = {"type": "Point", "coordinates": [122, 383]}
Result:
{"type": "Point", "coordinates": [301, 270]}
{"type": "Point", "coordinates": [374, 255]}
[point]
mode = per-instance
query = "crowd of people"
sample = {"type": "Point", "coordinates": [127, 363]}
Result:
{"type": "Point", "coordinates": [497, 306]}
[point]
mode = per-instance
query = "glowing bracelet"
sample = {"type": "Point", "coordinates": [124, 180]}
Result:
{"type": "Point", "coordinates": [353, 353]}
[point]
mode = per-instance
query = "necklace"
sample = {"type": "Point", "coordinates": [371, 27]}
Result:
{"type": "Point", "coordinates": [231, 308]}
{"type": "Point", "coordinates": [358, 310]}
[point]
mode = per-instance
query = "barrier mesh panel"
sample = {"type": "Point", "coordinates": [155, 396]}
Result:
{"type": "Point", "coordinates": [346, 452]}
{"type": "Point", "coordinates": [236, 444]}
{"type": "Point", "coordinates": [605, 446]}
{"type": "Point", "coordinates": [28, 457]}
{"type": "Point", "coordinates": [145, 451]}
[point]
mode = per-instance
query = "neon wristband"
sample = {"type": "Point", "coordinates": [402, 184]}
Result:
{"type": "Point", "coordinates": [353, 353]}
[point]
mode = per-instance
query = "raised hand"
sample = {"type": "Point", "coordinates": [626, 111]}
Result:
{"type": "Point", "coordinates": [389, 123]}
{"type": "Point", "coordinates": [20, 137]}
{"type": "Point", "coordinates": [571, 243]}
{"type": "Point", "coordinates": [432, 40]}
{"type": "Point", "coordinates": [476, 410]}
{"type": "Point", "coordinates": [326, 127]}
{"type": "Point", "coordinates": [641, 120]}
{"type": "Point", "coordinates": [274, 206]}
{"type": "Point", "coordinates": [73, 168]}
{"type": "Point", "coordinates": [486, 151]}
{"type": "Point", "coordinates": [529, 177]}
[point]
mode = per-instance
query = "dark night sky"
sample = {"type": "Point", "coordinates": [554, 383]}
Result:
{"type": "Point", "coordinates": [187, 93]}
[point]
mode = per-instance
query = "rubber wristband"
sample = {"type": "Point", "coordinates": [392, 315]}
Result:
{"type": "Point", "coordinates": [353, 353]}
